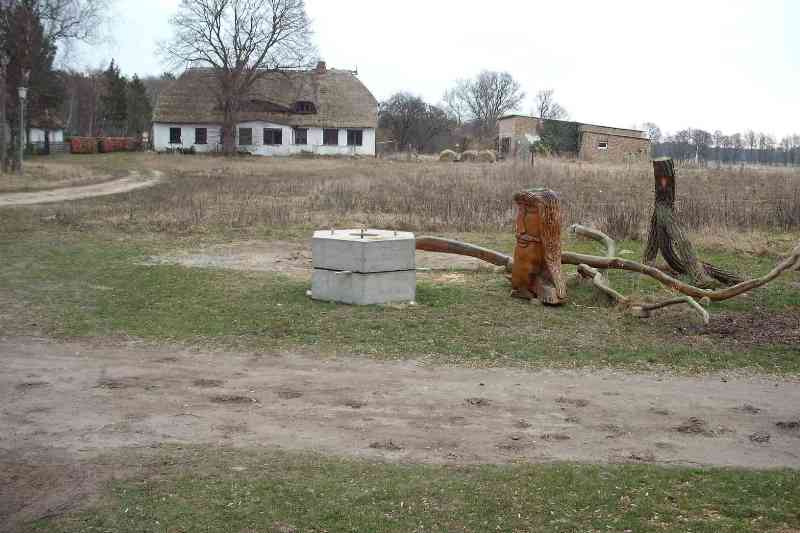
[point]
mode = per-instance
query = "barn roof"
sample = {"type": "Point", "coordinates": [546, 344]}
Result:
{"type": "Point", "coordinates": [340, 99]}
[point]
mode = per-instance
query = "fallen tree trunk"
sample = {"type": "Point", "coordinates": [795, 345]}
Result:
{"type": "Point", "coordinates": [792, 262]}
{"type": "Point", "coordinates": [449, 246]}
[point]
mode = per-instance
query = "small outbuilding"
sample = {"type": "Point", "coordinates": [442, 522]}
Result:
{"type": "Point", "coordinates": [45, 128]}
{"type": "Point", "coordinates": [589, 142]}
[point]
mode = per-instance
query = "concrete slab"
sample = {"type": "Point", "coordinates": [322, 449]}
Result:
{"type": "Point", "coordinates": [364, 289]}
{"type": "Point", "coordinates": [363, 252]}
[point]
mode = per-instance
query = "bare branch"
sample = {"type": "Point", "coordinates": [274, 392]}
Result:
{"type": "Point", "coordinates": [644, 310]}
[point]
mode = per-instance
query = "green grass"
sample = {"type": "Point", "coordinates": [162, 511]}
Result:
{"type": "Point", "coordinates": [240, 491]}
{"type": "Point", "coordinates": [84, 286]}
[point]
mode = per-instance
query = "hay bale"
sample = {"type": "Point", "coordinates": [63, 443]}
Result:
{"type": "Point", "coordinates": [469, 156]}
{"type": "Point", "coordinates": [448, 156]}
{"type": "Point", "coordinates": [487, 156]}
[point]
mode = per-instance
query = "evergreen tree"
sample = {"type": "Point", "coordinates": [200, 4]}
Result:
{"type": "Point", "coordinates": [139, 110]}
{"type": "Point", "coordinates": [114, 101]}
{"type": "Point", "coordinates": [31, 54]}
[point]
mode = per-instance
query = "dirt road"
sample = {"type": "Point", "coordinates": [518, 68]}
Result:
{"type": "Point", "coordinates": [64, 405]}
{"type": "Point", "coordinates": [85, 400]}
{"type": "Point", "coordinates": [128, 184]}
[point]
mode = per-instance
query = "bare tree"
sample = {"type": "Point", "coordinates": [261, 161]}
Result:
{"type": "Point", "coordinates": [242, 41]}
{"type": "Point", "coordinates": [71, 20]}
{"type": "Point", "coordinates": [547, 107]}
{"type": "Point", "coordinates": [653, 132]}
{"type": "Point", "coordinates": [455, 106]}
{"type": "Point", "coordinates": [412, 121]}
{"type": "Point", "coordinates": [487, 97]}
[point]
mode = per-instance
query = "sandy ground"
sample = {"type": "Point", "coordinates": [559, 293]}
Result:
{"type": "Point", "coordinates": [63, 405]}
{"type": "Point", "coordinates": [288, 257]}
{"type": "Point", "coordinates": [130, 183]}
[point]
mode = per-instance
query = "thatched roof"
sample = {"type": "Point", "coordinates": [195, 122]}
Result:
{"type": "Point", "coordinates": [340, 98]}
{"type": "Point", "coordinates": [46, 121]}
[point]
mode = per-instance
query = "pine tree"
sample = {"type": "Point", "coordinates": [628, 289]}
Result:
{"type": "Point", "coordinates": [114, 101]}
{"type": "Point", "coordinates": [139, 110]}
{"type": "Point", "coordinates": [31, 54]}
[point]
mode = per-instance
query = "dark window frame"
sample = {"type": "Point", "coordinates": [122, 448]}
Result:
{"type": "Point", "coordinates": [201, 139]}
{"type": "Point", "coordinates": [602, 145]}
{"type": "Point", "coordinates": [304, 137]}
{"type": "Point", "coordinates": [355, 137]}
{"type": "Point", "coordinates": [328, 131]}
{"type": "Point", "coordinates": [172, 137]}
{"type": "Point", "coordinates": [249, 134]}
{"type": "Point", "coordinates": [305, 107]}
{"type": "Point", "coordinates": [271, 135]}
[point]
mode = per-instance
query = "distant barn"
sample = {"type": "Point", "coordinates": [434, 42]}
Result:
{"type": "Point", "coordinates": [321, 111]}
{"type": "Point", "coordinates": [589, 142]}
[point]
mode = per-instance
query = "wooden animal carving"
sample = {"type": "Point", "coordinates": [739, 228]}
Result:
{"type": "Point", "coordinates": [536, 271]}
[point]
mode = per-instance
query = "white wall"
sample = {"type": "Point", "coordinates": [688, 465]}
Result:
{"type": "Point", "coordinates": [161, 137]}
{"type": "Point", "coordinates": [161, 140]}
{"type": "Point", "coordinates": [37, 136]}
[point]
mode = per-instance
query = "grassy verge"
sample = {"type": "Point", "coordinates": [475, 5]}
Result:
{"type": "Point", "coordinates": [225, 490]}
{"type": "Point", "coordinates": [92, 287]}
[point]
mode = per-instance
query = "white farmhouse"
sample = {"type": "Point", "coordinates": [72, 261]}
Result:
{"type": "Point", "coordinates": [321, 111]}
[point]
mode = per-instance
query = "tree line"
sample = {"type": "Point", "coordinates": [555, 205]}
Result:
{"type": "Point", "coordinates": [702, 146]}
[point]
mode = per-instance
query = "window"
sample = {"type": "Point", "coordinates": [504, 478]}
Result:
{"type": "Point", "coordinates": [245, 136]}
{"type": "Point", "coordinates": [273, 136]}
{"type": "Point", "coordinates": [355, 137]}
{"type": "Point", "coordinates": [505, 145]}
{"type": "Point", "coordinates": [602, 145]}
{"type": "Point", "coordinates": [175, 136]}
{"type": "Point", "coordinates": [301, 136]}
{"type": "Point", "coordinates": [330, 137]}
{"type": "Point", "coordinates": [200, 136]}
{"type": "Point", "coordinates": [304, 107]}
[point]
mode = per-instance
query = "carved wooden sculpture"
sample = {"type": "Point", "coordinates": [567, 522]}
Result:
{"type": "Point", "coordinates": [536, 271]}
{"type": "Point", "coordinates": [668, 236]}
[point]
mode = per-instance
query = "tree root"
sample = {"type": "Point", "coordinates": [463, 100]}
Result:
{"type": "Point", "coordinates": [641, 310]}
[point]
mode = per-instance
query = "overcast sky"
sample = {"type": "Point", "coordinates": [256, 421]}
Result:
{"type": "Point", "coordinates": [713, 64]}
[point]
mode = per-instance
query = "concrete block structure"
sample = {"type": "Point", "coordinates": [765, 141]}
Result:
{"type": "Point", "coordinates": [593, 143]}
{"type": "Point", "coordinates": [363, 267]}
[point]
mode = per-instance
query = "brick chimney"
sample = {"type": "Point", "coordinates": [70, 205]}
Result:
{"type": "Point", "coordinates": [321, 67]}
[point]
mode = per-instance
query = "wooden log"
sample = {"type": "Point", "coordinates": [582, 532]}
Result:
{"type": "Point", "coordinates": [449, 246]}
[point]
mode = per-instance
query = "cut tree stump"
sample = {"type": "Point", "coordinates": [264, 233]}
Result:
{"type": "Point", "coordinates": [668, 235]}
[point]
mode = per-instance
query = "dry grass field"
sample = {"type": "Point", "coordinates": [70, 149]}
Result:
{"type": "Point", "coordinates": [213, 193]}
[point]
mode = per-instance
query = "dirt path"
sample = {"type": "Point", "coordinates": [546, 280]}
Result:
{"type": "Point", "coordinates": [62, 406]}
{"type": "Point", "coordinates": [128, 184]}
{"type": "Point", "coordinates": [85, 400]}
